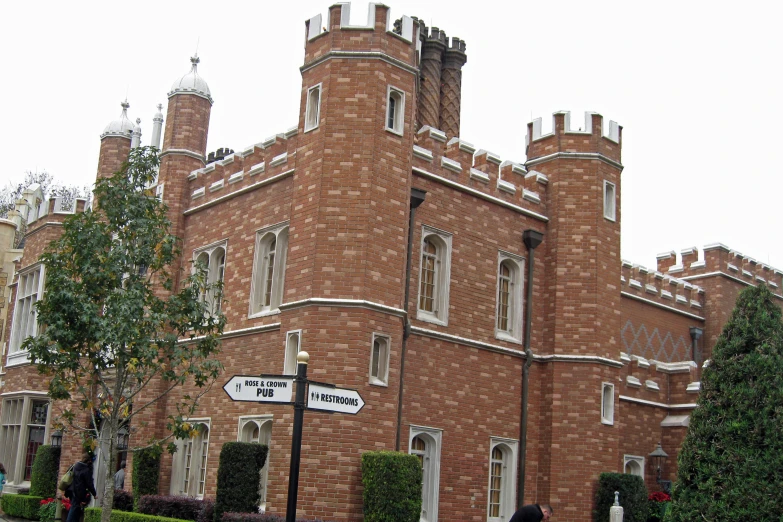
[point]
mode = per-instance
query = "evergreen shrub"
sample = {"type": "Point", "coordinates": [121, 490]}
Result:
{"type": "Point", "coordinates": [238, 474]}
{"type": "Point", "coordinates": [146, 470]}
{"type": "Point", "coordinates": [633, 497]}
{"type": "Point", "coordinates": [260, 517]}
{"type": "Point", "coordinates": [183, 508]}
{"type": "Point", "coordinates": [123, 500]}
{"type": "Point", "coordinates": [43, 481]}
{"type": "Point", "coordinates": [730, 464]}
{"type": "Point", "coordinates": [392, 486]}
{"type": "Point", "coordinates": [21, 506]}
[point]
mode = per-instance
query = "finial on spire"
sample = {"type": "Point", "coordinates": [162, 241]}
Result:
{"type": "Point", "coordinates": [160, 106]}
{"type": "Point", "coordinates": [125, 105]}
{"type": "Point", "coordinates": [138, 121]}
{"type": "Point", "coordinates": [195, 60]}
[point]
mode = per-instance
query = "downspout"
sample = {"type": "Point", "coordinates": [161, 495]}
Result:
{"type": "Point", "coordinates": [417, 198]}
{"type": "Point", "coordinates": [532, 239]}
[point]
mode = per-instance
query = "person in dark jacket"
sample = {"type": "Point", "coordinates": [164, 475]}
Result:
{"type": "Point", "coordinates": [81, 488]}
{"type": "Point", "coordinates": [533, 513]}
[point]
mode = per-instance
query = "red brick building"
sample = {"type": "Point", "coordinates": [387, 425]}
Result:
{"type": "Point", "coordinates": [514, 268]}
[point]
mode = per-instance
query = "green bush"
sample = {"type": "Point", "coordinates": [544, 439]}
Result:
{"type": "Point", "coordinates": [730, 463]}
{"type": "Point", "coordinates": [392, 486]}
{"type": "Point", "coordinates": [146, 471]}
{"type": "Point", "coordinates": [94, 515]}
{"type": "Point", "coordinates": [47, 510]}
{"type": "Point", "coordinates": [43, 482]}
{"type": "Point", "coordinates": [633, 497]}
{"type": "Point", "coordinates": [238, 475]}
{"type": "Point", "coordinates": [22, 506]}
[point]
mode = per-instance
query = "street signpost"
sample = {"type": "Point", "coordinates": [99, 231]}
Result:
{"type": "Point", "coordinates": [275, 389]}
{"type": "Point", "coordinates": [327, 397]}
{"type": "Point", "coordinates": [278, 389]}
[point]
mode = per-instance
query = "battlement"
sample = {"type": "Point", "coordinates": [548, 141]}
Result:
{"type": "Point", "coordinates": [459, 162]}
{"type": "Point", "coordinates": [228, 171]}
{"type": "Point", "coordinates": [378, 33]}
{"type": "Point", "coordinates": [717, 257]}
{"type": "Point", "coordinates": [596, 136]}
{"type": "Point", "coordinates": [660, 288]}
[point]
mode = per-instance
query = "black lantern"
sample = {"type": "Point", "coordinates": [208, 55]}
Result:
{"type": "Point", "coordinates": [658, 457]}
{"type": "Point", "coordinates": [122, 438]}
{"type": "Point", "coordinates": [57, 438]}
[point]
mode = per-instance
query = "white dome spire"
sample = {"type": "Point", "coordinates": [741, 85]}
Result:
{"type": "Point", "coordinates": [122, 126]}
{"type": "Point", "coordinates": [192, 83]}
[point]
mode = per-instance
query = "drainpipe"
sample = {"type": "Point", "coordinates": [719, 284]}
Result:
{"type": "Point", "coordinates": [417, 198]}
{"type": "Point", "coordinates": [532, 239]}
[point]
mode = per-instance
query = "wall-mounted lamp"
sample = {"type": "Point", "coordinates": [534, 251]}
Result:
{"type": "Point", "coordinates": [57, 438]}
{"type": "Point", "coordinates": [122, 439]}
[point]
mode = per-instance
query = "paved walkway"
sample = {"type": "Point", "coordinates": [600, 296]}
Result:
{"type": "Point", "coordinates": [8, 518]}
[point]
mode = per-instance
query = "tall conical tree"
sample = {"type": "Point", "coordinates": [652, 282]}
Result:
{"type": "Point", "coordinates": [731, 463]}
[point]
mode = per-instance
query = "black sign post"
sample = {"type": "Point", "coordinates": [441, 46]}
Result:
{"type": "Point", "coordinates": [276, 389]}
{"type": "Point", "coordinates": [296, 443]}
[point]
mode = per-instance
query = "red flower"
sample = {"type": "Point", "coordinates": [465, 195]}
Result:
{"type": "Point", "coordinates": [659, 496]}
{"type": "Point", "coordinates": [47, 501]}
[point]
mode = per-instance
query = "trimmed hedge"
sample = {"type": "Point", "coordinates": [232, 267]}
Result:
{"type": "Point", "coordinates": [22, 506]}
{"type": "Point", "coordinates": [94, 515]}
{"type": "Point", "coordinates": [183, 508]}
{"type": "Point", "coordinates": [238, 475]}
{"type": "Point", "coordinates": [146, 472]}
{"type": "Point", "coordinates": [43, 481]}
{"type": "Point", "coordinates": [260, 517]}
{"type": "Point", "coordinates": [392, 486]}
{"type": "Point", "coordinates": [633, 497]}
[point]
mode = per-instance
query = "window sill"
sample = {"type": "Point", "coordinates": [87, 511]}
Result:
{"type": "Point", "coordinates": [18, 358]}
{"type": "Point", "coordinates": [505, 336]}
{"type": "Point", "coordinates": [430, 318]}
{"type": "Point", "coordinates": [377, 382]}
{"type": "Point", "coordinates": [607, 423]}
{"type": "Point", "coordinates": [310, 130]}
{"type": "Point", "coordinates": [398, 133]}
{"type": "Point", "coordinates": [264, 313]}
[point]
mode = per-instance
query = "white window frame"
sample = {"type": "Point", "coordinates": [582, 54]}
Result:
{"type": "Point", "coordinates": [635, 459]}
{"type": "Point", "coordinates": [509, 447]}
{"type": "Point", "coordinates": [293, 345]}
{"type": "Point", "coordinates": [398, 118]}
{"type": "Point", "coordinates": [382, 377]}
{"type": "Point", "coordinates": [264, 425]}
{"type": "Point", "coordinates": [15, 433]}
{"type": "Point", "coordinates": [442, 277]}
{"type": "Point", "coordinates": [607, 407]}
{"type": "Point", "coordinates": [264, 236]}
{"type": "Point", "coordinates": [25, 318]}
{"type": "Point", "coordinates": [433, 439]}
{"type": "Point", "coordinates": [179, 459]}
{"type": "Point", "coordinates": [215, 271]}
{"type": "Point", "coordinates": [313, 108]}
{"type": "Point", "coordinates": [515, 299]}
{"type": "Point", "coordinates": [610, 200]}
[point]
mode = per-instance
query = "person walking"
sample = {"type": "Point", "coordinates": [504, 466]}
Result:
{"type": "Point", "coordinates": [119, 477]}
{"type": "Point", "coordinates": [81, 488]}
{"type": "Point", "coordinates": [533, 513]}
{"type": "Point", "coordinates": [2, 478]}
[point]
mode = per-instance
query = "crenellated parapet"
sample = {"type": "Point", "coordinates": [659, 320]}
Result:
{"type": "Point", "coordinates": [333, 36]}
{"type": "Point", "coordinates": [595, 136]}
{"type": "Point", "coordinates": [718, 258]}
{"type": "Point", "coordinates": [242, 170]}
{"type": "Point", "coordinates": [459, 162]}
{"type": "Point", "coordinates": [661, 288]}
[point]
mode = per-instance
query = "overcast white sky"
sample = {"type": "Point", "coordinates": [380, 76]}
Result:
{"type": "Point", "coordinates": [695, 86]}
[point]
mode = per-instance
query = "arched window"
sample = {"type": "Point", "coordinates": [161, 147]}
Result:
{"type": "Point", "coordinates": [213, 259]}
{"type": "Point", "coordinates": [508, 312]}
{"type": "Point", "coordinates": [269, 270]}
{"type": "Point", "coordinates": [258, 430]}
{"type": "Point", "coordinates": [379, 360]}
{"type": "Point", "coordinates": [502, 479]}
{"type": "Point", "coordinates": [293, 343]}
{"type": "Point", "coordinates": [434, 275]}
{"type": "Point", "coordinates": [425, 444]}
{"type": "Point", "coordinates": [395, 110]}
{"type": "Point", "coordinates": [189, 470]}
{"type": "Point", "coordinates": [313, 109]}
{"type": "Point", "coordinates": [634, 465]}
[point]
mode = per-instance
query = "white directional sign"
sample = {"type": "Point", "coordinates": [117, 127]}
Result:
{"type": "Point", "coordinates": [261, 388]}
{"type": "Point", "coordinates": [331, 398]}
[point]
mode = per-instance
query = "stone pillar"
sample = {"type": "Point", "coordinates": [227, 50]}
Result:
{"type": "Point", "coordinates": [451, 87]}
